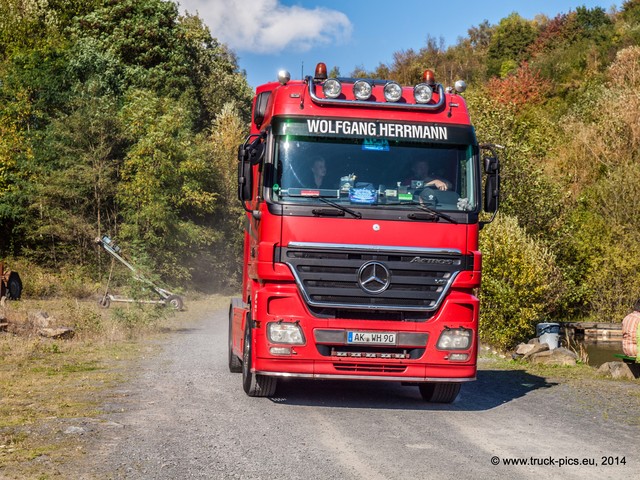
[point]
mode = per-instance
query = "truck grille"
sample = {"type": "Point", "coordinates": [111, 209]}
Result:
{"type": "Point", "coordinates": [356, 277]}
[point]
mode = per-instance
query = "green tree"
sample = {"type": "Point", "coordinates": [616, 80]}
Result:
{"type": "Point", "coordinates": [527, 193]}
{"type": "Point", "coordinates": [480, 36]}
{"type": "Point", "coordinates": [105, 113]}
{"type": "Point", "coordinates": [32, 88]}
{"type": "Point", "coordinates": [16, 154]}
{"type": "Point", "coordinates": [146, 39]}
{"type": "Point", "coordinates": [334, 73]}
{"type": "Point", "coordinates": [509, 43]}
{"type": "Point", "coordinates": [214, 73]}
{"type": "Point", "coordinates": [157, 194]}
{"type": "Point", "coordinates": [225, 254]}
{"type": "Point", "coordinates": [628, 26]}
{"type": "Point", "coordinates": [75, 181]}
{"type": "Point", "coordinates": [630, 11]}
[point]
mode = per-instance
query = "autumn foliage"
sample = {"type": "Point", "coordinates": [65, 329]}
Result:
{"type": "Point", "coordinates": [524, 87]}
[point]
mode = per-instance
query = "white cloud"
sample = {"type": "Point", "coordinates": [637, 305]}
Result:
{"type": "Point", "coordinates": [266, 26]}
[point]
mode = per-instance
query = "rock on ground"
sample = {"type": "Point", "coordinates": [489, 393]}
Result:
{"type": "Point", "coordinates": [537, 348]}
{"type": "Point", "coordinates": [616, 370]}
{"type": "Point", "coordinates": [559, 356]}
{"type": "Point", "coordinates": [58, 332]}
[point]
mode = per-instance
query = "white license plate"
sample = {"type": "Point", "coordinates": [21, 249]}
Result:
{"type": "Point", "coordinates": [379, 338]}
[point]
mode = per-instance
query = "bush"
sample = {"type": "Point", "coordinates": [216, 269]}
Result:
{"type": "Point", "coordinates": [138, 318]}
{"type": "Point", "coordinates": [521, 284]}
{"type": "Point", "coordinates": [42, 283]}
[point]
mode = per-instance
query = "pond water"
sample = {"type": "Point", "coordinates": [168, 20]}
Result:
{"type": "Point", "coordinates": [603, 352]}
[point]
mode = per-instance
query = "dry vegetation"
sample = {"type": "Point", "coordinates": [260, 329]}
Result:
{"type": "Point", "coordinates": [50, 386]}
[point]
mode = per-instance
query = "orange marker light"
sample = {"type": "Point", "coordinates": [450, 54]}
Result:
{"type": "Point", "coordinates": [321, 71]}
{"type": "Point", "coordinates": [429, 78]}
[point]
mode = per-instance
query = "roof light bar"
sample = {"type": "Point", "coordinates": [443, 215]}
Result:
{"type": "Point", "coordinates": [363, 90]}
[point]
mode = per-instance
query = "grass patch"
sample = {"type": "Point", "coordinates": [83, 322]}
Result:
{"type": "Point", "coordinates": [580, 371]}
{"type": "Point", "coordinates": [40, 387]}
{"type": "Point", "coordinates": [67, 368]}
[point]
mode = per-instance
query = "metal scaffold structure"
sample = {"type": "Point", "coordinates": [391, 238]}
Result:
{"type": "Point", "coordinates": [167, 298]}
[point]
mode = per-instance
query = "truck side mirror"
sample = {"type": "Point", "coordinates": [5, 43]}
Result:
{"type": "Point", "coordinates": [492, 182]}
{"type": "Point", "coordinates": [491, 165]}
{"type": "Point", "coordinates": [260, 108]}
{"type": "Point", "coordinates": [255, 151]}
{"type": "Point", "coordinates": [244, 175]}
{"type": "Point", "coordinates": [249, 154]}
{"type": "Point", "coordinates": [491, 194]}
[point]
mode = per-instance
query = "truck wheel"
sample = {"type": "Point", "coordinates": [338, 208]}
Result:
{"type": "Point", "coordinates": [235, 365]}
{"type": "Point", "coordinates": [14, 286]}
{"type": "Point", "coordinates": [253, 384]}
{"type": "Point", "coordinates": [174, 301]}
{"type": "Point", "coordinates": [439, 392]}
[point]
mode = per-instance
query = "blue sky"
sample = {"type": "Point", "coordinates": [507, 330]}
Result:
{"type": "Point", "coordinates": [269, 35]}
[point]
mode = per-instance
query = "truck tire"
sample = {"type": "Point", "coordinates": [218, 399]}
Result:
{"type": "Point", "coordinates": [14, 286]}
{"type": "Point", "coordinates": [253, 384]}
{"type": "Point", "coordinates": [439, 392]}
{"type": "Point", "coordinates": [235, 365]}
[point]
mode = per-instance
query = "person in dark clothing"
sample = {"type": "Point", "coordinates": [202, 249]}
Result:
{"type": "Point", "coordinates": [318, 173]}
{"type": "Point", "coordinates": [420, 171]}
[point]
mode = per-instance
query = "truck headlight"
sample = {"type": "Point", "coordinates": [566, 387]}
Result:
{"type": "Point", "coordinates": [285, 332]}
{"type": "Point", "coordinates": [455, 339]}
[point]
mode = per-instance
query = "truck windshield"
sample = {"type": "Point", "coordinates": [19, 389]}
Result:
{"type": "Point", "coordinates": [374, 172]}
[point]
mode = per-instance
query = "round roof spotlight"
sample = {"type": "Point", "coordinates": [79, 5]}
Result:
{"type": "Point", "coordinates": [332, 88]}
{"type": "Point", "coordinates": [422, 93]}
{"type": "Point", "coordinates": [392, 92]}
{"type": "Point", "coordinates": [284, 77]}
{"type": "Point", "coordinates": [460, 86]}
{"type": "Point", "coordinates": [362, 90]}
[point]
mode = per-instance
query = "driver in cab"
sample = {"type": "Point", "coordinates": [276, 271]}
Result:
{"type": "Point", "coordinates": [420, 171]}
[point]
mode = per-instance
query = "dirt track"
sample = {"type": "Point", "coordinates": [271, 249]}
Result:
{"type": "Point", "coordinates": [185, 416]}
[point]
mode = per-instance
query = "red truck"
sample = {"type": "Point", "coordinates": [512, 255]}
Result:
{"type": "Point", "coordinates": [363, 202]}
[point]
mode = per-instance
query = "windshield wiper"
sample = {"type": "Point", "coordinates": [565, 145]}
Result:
{"type": "Point", "coordinates": [340, 207]}
{"type": "Point", "coordinates": [434, 213]}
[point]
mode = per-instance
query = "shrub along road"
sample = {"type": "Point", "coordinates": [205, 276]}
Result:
{"type": "Point", "coordinates": [183, 415]}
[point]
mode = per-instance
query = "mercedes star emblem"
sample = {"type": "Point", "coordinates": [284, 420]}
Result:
{"type": "Point", "coordinates": [374, 277]}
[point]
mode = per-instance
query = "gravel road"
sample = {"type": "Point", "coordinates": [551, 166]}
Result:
{"type": "Point", "coordinates": [184, 415]}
